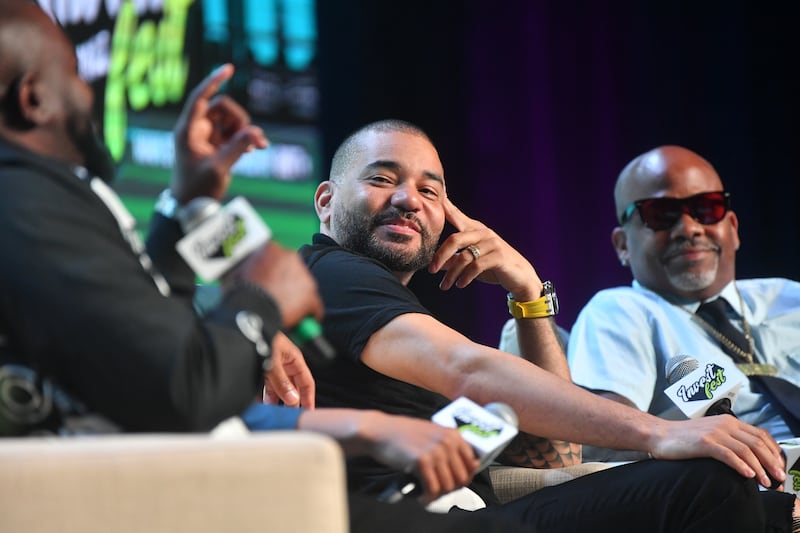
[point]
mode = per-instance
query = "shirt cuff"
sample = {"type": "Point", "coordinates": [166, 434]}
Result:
{"type": "Point", "coordinates": [266, 417]}
{"type": "Point", "coordinates": [250, 297]}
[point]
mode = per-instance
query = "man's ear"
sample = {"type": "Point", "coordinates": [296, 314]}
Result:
{"type": "Point", "coordinates": [734, 222]}
{"type": "Point", "coordinates": [322, 201]}
{"type": "Point", "coordinates": [620, 242]}
{"type": "Point", "coordinates": [23, 103]}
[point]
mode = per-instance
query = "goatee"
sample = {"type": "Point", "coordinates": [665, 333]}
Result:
{"type": "Point", "coordinates": [97, 157]}
{"type": "Point", "coordinates": [357, 234]}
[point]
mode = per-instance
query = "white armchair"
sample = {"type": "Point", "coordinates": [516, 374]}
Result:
{"type": "Point", "coordinates": [277, 481]}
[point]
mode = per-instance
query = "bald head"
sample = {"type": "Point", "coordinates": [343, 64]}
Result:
{"type": "Point", "coordinates": [347, 151]}
{"type": "Point", "coordinates": [687, 257]}
{"type": "Point", "coordinates": [26, 36]}
{"type": "Point", "coordinates": [650, 173]}
{"type": "Point", "coordinates": [45, 106]}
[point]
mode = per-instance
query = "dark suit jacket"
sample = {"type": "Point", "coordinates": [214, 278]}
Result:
{"type": "Point", "coordinates": [84, 326]}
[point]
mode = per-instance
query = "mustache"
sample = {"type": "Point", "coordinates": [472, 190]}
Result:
{"type": "Point", "coordinates": [393, 214]}
{"type": "Point", "coordinates": [680, 247]}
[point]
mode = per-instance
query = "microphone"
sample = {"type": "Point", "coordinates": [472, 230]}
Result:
{"type": "Point", "coordinates": [487, 429]}
{"type": "Point", "coordinates": [791, 450]}
{"type": "Point", "coordinates": [219, 237]}
{"type": "Point", "coordinates": [708, 387]}
{"type": "Point", "coordinates": [307, 335]}
{"type": "Point", "coordinates": [701, 390]}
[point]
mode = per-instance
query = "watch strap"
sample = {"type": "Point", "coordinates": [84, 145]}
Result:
{"type": "Point", "coordinates": [189, 216]}
{"type": "Point", "coordinates": [544, 306]}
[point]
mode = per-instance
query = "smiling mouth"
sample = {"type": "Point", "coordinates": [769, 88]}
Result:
{"type": "Point", "coordinates": [402, 225]}
{"type": "Point", "coordinates": [689, 252]}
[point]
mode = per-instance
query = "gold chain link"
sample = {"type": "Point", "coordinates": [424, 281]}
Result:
{"type": "Point", "coordinates": [747, 356]}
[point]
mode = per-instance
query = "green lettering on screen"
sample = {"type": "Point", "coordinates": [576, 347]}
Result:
{"type": "Point", "coordinates": [147, 67]}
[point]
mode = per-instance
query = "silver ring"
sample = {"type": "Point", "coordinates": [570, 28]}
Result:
{"type": "Point", "coordinates": [474, 250]}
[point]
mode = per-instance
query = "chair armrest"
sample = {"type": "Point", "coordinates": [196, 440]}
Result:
{"type": "Point", "coordinates": [277, 481]}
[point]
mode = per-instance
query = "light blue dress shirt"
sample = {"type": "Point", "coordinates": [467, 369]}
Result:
{"type": "Point", "coordinates": [624, 337]}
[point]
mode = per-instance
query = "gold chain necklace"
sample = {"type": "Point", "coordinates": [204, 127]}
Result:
{"type": "Point", "coordinates": [750, 367]}
{"type": "Point", "coordinates": [732, 346]}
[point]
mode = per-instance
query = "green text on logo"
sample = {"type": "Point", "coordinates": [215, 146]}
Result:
{"type": "Point", "coordinates": [146, 67]}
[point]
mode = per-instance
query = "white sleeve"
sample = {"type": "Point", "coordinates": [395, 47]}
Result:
{"type": "Point", "coordinates": [611, 347]}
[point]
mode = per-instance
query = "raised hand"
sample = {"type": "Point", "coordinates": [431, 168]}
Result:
{"type": "Point", "coordinates": [210, 135]}
{"type": "Point", "coordinates": [477, 252]}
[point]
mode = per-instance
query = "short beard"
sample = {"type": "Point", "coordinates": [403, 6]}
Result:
{"type": "Point", "coordinates": [694, 281]}
{"type": "Point", "coordinates": [97, 158]}
{"type": "Point", "coordinates": [689, 281]}
{"type": "Point", "coordinates": [356, 233]}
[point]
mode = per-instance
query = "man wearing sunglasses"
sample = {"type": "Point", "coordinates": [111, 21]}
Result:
{"type": "Point", "coordinates": [678, 235]}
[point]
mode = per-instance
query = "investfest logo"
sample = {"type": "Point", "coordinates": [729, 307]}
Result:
{"type": "Point", "coordinates": [703, 388]}
{"type": "Point", "coordinates": [794, 471]}
{"type": "Point", "coordinates": [466, 422]}
{"type": "Point", "coordinates": [146, 64]}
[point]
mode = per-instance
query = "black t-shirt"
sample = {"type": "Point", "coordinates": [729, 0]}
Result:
{"type": "Point", "coordinates": [361, 296]}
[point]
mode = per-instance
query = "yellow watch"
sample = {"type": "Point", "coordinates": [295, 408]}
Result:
{"type": "Point", "coordinates": [544, 306]}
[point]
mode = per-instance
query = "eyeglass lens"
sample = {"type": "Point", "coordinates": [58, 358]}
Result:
{"type": "Point", "coordinates": [663, 213]}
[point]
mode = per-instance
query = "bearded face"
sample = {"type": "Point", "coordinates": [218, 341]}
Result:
{"type": "Point", "coordinates": [357, 231]}
{"type": "Point", "coordinates": [84, 135]}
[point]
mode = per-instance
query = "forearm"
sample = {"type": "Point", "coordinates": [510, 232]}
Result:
{"type": "Point", "coordinates": [616, 397]}
{"type": "Point", "coordinates": [550, 405]}
{"type": "Point", "coordinates": [539, 343]}
{"type": "Point", "coordinates": [418, 350]}
{"type": "Point", "coordinates": [530, 451]}
{"type": "Point", "coordinates": [162, 236]}
{"type": "Point", "coordinates": [349, 427]}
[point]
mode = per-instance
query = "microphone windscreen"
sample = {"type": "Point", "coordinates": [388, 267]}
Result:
{"type": "Point", "coordinates": [196, 212]}
{"type": "Point", "coordinates": [679, 367]}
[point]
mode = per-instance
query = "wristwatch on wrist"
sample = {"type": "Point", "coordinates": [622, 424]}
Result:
{"type": "Point", "coordinates": [166, 205]}
{"type": "Point", "coordinates": [544, 306]}
{"type": "Point", "coordinates": [190, 215]}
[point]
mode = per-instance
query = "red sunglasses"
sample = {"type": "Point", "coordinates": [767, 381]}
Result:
{"type": "Point", "coordinates": [662, 213]}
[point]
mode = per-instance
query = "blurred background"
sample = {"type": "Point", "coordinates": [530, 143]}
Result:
{"type": "Point", "coordinates": [535, 107]}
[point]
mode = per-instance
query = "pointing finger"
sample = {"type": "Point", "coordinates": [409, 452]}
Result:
{"type": "Point", "coordinates": [244, 140]}
{"type": "Point", "coordinates": [199, 97]}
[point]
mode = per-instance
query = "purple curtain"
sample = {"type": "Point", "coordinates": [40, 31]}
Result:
{"type": "Point", "coordinates": [537, 105]}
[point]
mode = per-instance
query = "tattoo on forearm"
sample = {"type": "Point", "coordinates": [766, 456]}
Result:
{"type": "Point", "coordinates": [531, 451]}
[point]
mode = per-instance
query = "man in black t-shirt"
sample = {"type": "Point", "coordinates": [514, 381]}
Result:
{"type": "Point", "coordinates": [382, 213]}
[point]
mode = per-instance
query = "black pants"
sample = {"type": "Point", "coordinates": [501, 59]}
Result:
{"type": "Point", "coordinates": [697, 496]}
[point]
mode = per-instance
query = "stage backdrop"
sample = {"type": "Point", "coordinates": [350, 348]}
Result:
{"type": "Point", "coordinates": [143, 57]}
{"type": "Point", "coordinates": [537, 105]}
